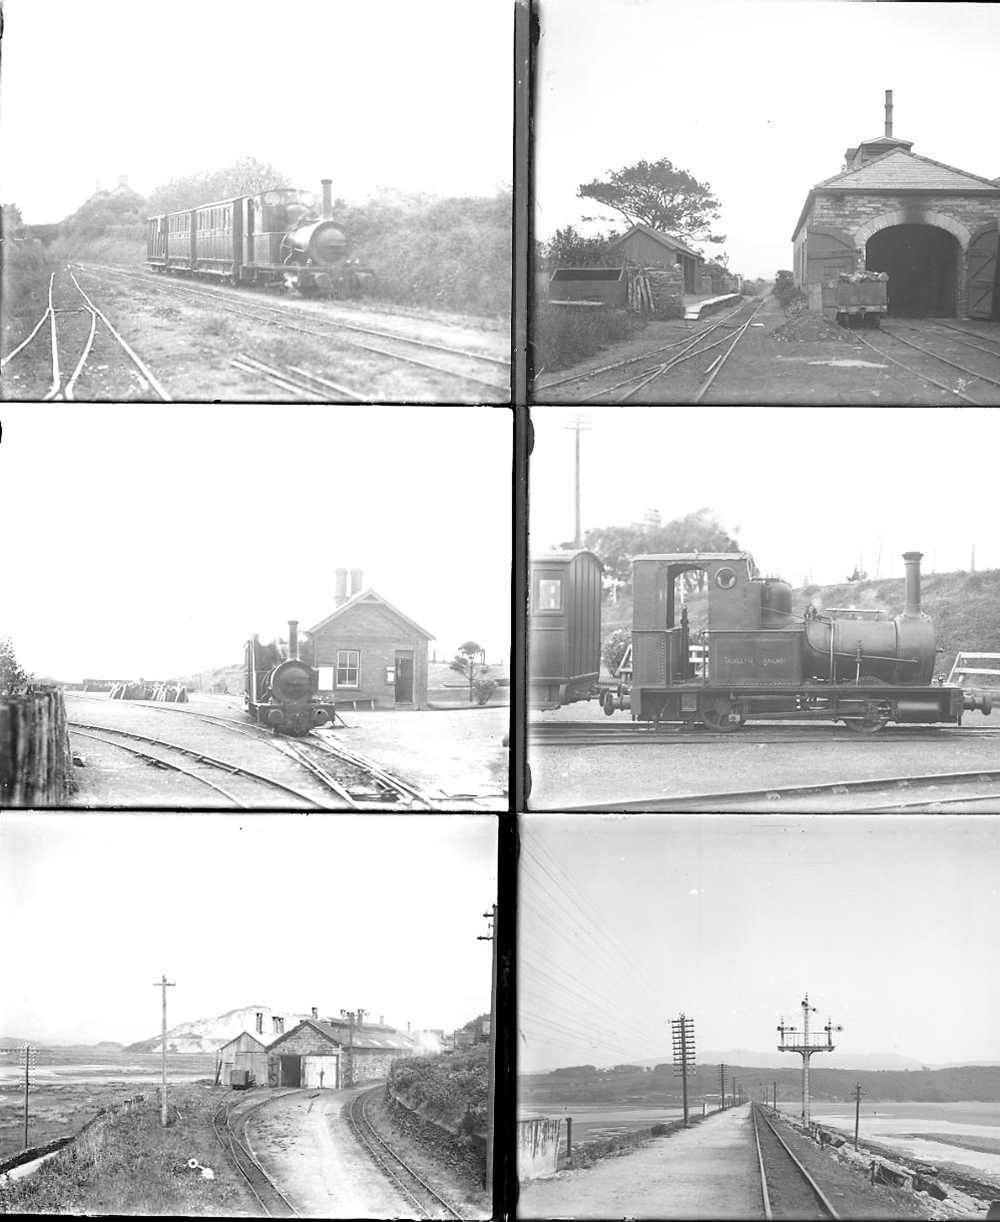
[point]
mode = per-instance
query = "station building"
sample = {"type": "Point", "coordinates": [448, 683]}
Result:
{"type": "Point", "coordinates": [368, 652]}
{"type": "Point", "coordinates": [335, 1053]}
{"type": "Point", "coordinates": [933, 228]}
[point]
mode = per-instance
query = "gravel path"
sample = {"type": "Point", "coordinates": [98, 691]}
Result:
{"type": "Point", "coordinates": [707, 1171]}
{"type": "Point", "coordinates": [306, 1145]}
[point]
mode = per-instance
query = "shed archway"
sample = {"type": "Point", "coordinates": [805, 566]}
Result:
{"type": "Point", "coordinates": [922, 263]}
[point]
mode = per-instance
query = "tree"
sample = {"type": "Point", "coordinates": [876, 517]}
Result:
{"type": "Point", "coordinates": [244, 176]}
{"type": "Point", "coordinates": [466, 662]}
{"type": "Point", "coordinates": [661, 196]}
{"type": "Point", "coordinates": [14, 679]}
{"type": "Point", "coordinates": [12, 223]}
{"type": "Point", "coordinates": [695, 532]}
{"type": "Point", "coordinates": [614, 648]}
{"type": "Point", "coordinates": [571, 249]}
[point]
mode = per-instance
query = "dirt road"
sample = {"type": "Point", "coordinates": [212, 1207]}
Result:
{"type": "Point", "coordinates": [708, 1171]}
{"type": "Point", "coordinates": [306, 1145]}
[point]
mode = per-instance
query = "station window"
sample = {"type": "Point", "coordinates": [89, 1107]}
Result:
{"type": "Point", "coordinates": [549, 597]}
{"type": "Point", "coordinates": [348, 667]}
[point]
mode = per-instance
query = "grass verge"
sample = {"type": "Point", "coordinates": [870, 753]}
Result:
{"type": "Point", "coordinates": [564, 335]}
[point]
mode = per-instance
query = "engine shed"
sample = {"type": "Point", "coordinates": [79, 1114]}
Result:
{"type": "Point", "coordinates": [933, 228]}
{"type": "Point", "coordinates": [335, 1053]}
{"type": "Point", "coordinates": [367, 652]}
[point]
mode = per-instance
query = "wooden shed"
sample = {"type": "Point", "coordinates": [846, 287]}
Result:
{"type": "Point", "coordinates": [368, 653]}
{"type": "Point", "coordinates": [244, 1053]}
{"type": "Point", "coordinates": [649, 247]}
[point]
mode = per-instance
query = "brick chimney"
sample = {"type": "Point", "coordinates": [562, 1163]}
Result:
{"type": "Point", "coordinates": [356, 576]}
{"type": "Point", "coordinates": [341, 588]}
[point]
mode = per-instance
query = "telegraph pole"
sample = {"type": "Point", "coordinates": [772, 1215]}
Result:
{"type": "Point", "coordinates": [580, 424]}
{"type": "Point", "coordinates": [683, 1033]}
{"type": "Point", "coordinates": [806, 1047]}
{"type": "Point", "coordinates": [857, 1113]}
{"type": "Point", "coordinates": [492, 1082]}
{"type": "Point", "coordinates": [722, 1086]}
{"type": "Point", "coordinates": [164, 984]}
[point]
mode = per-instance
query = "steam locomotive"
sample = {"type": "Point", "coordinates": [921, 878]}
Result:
{"type": "Point", "coordinates": [755, 658]}
{"type": "Point", "coordinates": [276, 239]}
{"type": "Point", "coordinates": [282, 694]}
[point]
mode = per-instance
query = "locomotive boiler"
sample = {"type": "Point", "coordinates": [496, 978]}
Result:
{"type": "Point", "coordinates": [278, 239]}
{"type": "Point", "coordinates": [753, 658]}
{"type": "Point", "coordinates": [282, 694]}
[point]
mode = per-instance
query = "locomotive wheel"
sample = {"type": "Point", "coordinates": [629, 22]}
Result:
{"type": "Point", "coordinates": [720, 714]}
{"type": "Point", "coordinates": [859, 724]}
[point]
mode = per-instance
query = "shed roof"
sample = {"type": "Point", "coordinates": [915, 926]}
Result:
{"type": "Point", "coordinates": [371, 597]}
{"type": "Point", "coordinates": [657, 235]}
{"type": "Point", "coordinates": [556, 557]}
{"type": "Point", "coordinates": [899, 171]}
{"type": "Point", "coordinates": [371, 1035]}
{"type": "Point", "coordinates": [244, 1038]}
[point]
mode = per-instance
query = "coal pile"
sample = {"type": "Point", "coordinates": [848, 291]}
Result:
{"type": "Point", "coordinates": [810, 328]}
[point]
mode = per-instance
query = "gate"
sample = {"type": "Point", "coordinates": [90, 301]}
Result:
{"type": "Point", "coordinates": [982, 265]}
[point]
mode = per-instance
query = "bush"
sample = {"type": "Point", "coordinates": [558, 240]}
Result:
{"type": "Point", "coordinates": [25, 269]}
{"type": "Point", "coordinates": [452, 1085]}
{"type": "Point", "coordinates": [564, 335]}
{"type": "Point", "coordinates": [786, 291]}
{"type": "Point", "coordinates": [613, 649]}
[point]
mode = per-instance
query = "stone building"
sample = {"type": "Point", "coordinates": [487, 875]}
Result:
{"type": "Point", "coordinates": [931, 227]}
{"type": "Point", "coordinates": [368, 652]}
{"type": "Point", "coordinates": [336, 1053]}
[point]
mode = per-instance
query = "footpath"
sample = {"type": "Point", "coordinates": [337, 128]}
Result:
{"type": "Point", "coordinates": [707, 1171]}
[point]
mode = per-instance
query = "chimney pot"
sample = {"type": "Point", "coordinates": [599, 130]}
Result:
{"type": "Point", "coordinates": [341, 587]}
{"type": "Point", "coordinates": [315, 1012]}
{"type": "Point", "coordinates": [356, 576]}
{"type": "Point", "coordinates": [888, 112]}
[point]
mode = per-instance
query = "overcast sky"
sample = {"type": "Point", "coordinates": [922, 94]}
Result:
{"type": "Point", "coordinates": [381, 93]}
{"type": "Point", "coordinates": [104, 905]}
{"type": "Point", "coordinates": [153, 543]}
{"type": "Point", "coordinates": [760, 100]}
{"type": "Point", "coordinates": [890, 923]}
{"type": "Point", "coordinates": [809, 492]}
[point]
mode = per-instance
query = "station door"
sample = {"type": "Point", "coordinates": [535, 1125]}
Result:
{"type": "Point", "coordinates": [984, 280]}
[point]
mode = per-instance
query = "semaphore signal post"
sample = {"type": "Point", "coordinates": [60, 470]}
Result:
{"type": "Point", "coordinates": [806, 1045]}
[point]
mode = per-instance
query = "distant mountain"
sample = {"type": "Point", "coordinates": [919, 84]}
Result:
{"type": "Point", "coordinates": [780, 1060]}
{"type": "Point", "coordinates": [208, 1034]}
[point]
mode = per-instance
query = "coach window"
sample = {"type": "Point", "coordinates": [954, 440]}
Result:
{"type": "Point", "coordinates": [348, 667]}
{"type": "Point", "coordinates": [548, 596]}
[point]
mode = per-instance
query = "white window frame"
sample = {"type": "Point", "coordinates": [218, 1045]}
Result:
{"type": "Point", "coordinates": [347, 667]}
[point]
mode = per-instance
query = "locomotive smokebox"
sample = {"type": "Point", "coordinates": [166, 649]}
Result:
{"type": "Point", "coordinates": [912, 608]}
{"type": "Point", "coordinates": [320, 242]}
{"type": "Point", "coordinates": [293, 640]}
{"type": "Point", "coordinates": [327, 213]}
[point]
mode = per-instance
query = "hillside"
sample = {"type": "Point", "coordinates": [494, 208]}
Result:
{"type": "Point", "coordinates": [659, 1087]}
{"type": "Point", "coordinates": [208, 1034]}
{"type": "Point", "coordinates": [965, 607]}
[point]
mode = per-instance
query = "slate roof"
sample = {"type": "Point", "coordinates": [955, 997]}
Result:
{"type": "Point", "coordinates": [369, 1036]}
{"type": "Point", "coordinates": [370, 596]}
{"type": "Point", "coordinates": [899, 171]}
{"type": "Point", "coordinates": [657, 235]}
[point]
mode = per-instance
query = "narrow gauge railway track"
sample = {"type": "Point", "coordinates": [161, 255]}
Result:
{"type": "Point", "coordinates": [390, 789]}
{"type": "Point", "coordinates": [157, 759]}
{"type": "Point", "coordinates": [787, 1188]}
{"type": "Point", "coordinates": [416, 1189]}
{"type": "Point", "coordinates": [251, 306]}
{"type": "Point", "coordinates": [929, 791]}
{"type": "Point", "coordinates": [270, 1197]}
{"type": "Point", "coordinates": [71, 333]}
{"type": "Point", "coordinates": [724, 333]}
{"type": "Point", "coordinates": [924, 345]}
{"type": "Point", "coordinates": [598, 734]}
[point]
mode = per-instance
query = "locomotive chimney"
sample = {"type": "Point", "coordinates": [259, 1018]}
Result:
{"type": "Point", "coordinates": [912, 560]}
{"type": "Point", "coordinates": [293, 640]}
{"type": "Point", "coordinates": [327, 213]}
{"type": "Point", "coordinates": [341, 587]}
{"type": "Point", "coordinates": [888, 112]}
{"type": "Point", "coordinates": [356, 575]}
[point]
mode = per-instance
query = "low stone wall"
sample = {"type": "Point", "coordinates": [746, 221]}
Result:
{"type": "Point", "coordinates": [462, 1151]}
{"type": "Point", "coordinates": [36, 761]}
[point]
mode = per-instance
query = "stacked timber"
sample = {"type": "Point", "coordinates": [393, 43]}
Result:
{"type": "Point", "coordinates": [667, 290]}
{"type": "Point", "coordinates": [171, 692]}
{"type": "Point", "coordinates": [132, 691]}
{"type": "Point", "coordinates": [36, 760]}
{"type": "Point", "coordinates": [640, 295]}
